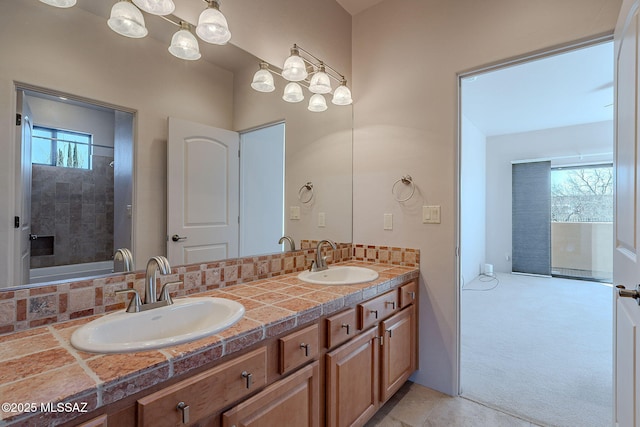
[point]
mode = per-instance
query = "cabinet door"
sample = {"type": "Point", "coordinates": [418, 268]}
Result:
{"type": "Point", "coordinates": [292, 401]}
{"type": "Point", "coordinates": [352, 381]}
{"type": "Point", "coordinates": [398, 351]}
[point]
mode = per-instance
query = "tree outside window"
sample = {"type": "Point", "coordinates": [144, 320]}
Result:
{"type": "Point", "coordinates": [62, 148]}
{"type": "Point", "coordinates": [582, 194]}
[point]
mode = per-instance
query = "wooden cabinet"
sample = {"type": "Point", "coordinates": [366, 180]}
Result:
{"type": "Point", "coordinates": [206, 393]}
{"type": "Point", "coordinates": [398, 359]}
{"type": "Point", "coordinates": [365, 372]}
{"type": "Point", "coordinates": [341, 327]}
{"type": "Point", "coordinates": [100, 421]}
{"type": "Point", "coordinates": [298, 348]}
{"type": "Point", "coordinates": [292, 401]}
{"type": "Point", "coordinates": [352, 381]}
{"type": "Point", "coordinates": [376, 309]}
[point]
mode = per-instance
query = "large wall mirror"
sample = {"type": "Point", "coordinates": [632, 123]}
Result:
{"type": "Point", "coordinates": [138, 86]}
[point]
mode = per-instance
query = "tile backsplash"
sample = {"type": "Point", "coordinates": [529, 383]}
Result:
{"type": "Point", "coordinates": [31, 307]}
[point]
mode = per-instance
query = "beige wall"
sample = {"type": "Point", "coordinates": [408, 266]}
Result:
{"type": "Point", "coordinates": [406, 54]}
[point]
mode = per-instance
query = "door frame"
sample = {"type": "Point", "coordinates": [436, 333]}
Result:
{"type": "Point", "coordinates": [521, 59]}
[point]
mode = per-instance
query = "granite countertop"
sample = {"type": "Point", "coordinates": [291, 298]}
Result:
{"type": "Point", "coordinates": [39, 366]}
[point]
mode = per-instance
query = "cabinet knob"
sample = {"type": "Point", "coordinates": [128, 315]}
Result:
{"type": "Point", "coordinates": [347, 326]}
{"type": "Point", "coordinates": [374, 312]}
{"type": "Point", "coordinates": [246, 375]}
{"type": "Point", "coordinates": [306, 349]}
{"type": "Point", "coordinates": [184, 408]}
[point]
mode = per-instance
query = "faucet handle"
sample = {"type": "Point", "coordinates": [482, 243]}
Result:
{"type": "Point", "coordinates": [164, 292]}
{"type": "Point", "coordinates": [135, 304]}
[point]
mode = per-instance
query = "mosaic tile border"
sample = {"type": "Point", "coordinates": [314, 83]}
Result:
{"type": "Point", "coordinates": [37, 306]}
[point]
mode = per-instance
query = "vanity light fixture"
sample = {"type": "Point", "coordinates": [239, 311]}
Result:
{"type": "Point", "coordinates": [263, 79]}
{"type": "Point", "coordinates": [212, 25]}
{"type": "Point", "coordinates": [294, 69]}
{"type": "Point", "coordinates": [184, 44]}
{"type": "Point", "coordinates": [320, 82]}
{"type": "Point", "coordinates": [60, 3]}
{"type": "Point", "coordinates": [309, 71]}
{"type": "Point", "coordinates": [293, 92]}
{"type": "Point", "coordinates": [342, 94]}
{"type": "Point", "coordinates": [317, 103]}
{"type": "Point", "coordinates": [127, 20]}
{"type": "Point", "coordinates": [156, 7]}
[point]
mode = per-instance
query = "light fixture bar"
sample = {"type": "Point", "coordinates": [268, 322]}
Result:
{"type": "Point", "coordinates": [338, 77]}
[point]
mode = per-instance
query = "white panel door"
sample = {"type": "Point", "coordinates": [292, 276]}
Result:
{"type": "Point", "coordinates": [202, 199]}
{"type": "Point", "coordinates": [23, 192]}
{"type": "Point", "coordinates": [626, 258]}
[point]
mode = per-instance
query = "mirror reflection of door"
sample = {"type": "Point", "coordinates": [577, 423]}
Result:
{"type": "Point", "coordinates": [203, 187]}
{"type": "Point", "coordinates": [81, 187]}
{"type": "Point", "coordinates": [22, 220]}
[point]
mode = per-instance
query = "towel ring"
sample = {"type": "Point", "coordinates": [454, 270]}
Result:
{"type": "Point", "coordinates": [308, 187]}
{"type": "Point", "coordinates": [407, 180]}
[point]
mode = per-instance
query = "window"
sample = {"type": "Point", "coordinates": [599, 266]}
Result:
{"type": "Point", "coordinates": [63, 148]}
{"type": "Point", "coordinates": [582, 194]}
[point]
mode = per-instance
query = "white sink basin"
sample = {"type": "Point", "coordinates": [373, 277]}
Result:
{"type": "Point", "coordinates": [187, 319]}
{"type": "Point", "coordinates": [339, 275]}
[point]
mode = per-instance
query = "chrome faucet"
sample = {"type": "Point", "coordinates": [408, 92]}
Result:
{"type": "Point", "coordinates": [155, 264]}
{"type": "Point", "coordinates": [292, 244]}
{"type": "Point", "coordinates": [124, 255]}
{"type": "Point", "coordinates": [320, 263]}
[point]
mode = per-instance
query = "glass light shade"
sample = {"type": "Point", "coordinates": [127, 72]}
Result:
{"type": "Point", "coordinates": [263, 81]}
{"type": "Point", "coordinates": [317, 103]}
{"type": "Point", "coordinates": [293, 93]}
{"type": "Point", "coordinates": [156, 7]}
{"type": "Point", "coordinates": [127, 20]}
{"type": "Point", "coordinates": [342, 95]}
{"type": "Point", "coordinates": [60, 3]}
{"type": "Point", "coordinates": [212, 26]}
{"type": "Point", "coordinates": [184, 45]}
{"type": "Point", "coordinates": [294, 69]}
{"type": "Point", "coordinates": [320, 82]}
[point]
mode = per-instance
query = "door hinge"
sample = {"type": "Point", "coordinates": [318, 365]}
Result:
{"type": "Point", "coordinates": [16, 222]}
{"type": "Point", "coordinates": [18, 119]}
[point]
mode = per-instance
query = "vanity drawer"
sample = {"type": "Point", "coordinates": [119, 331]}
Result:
{"type": "Point", "coordinates": [408, 294]}
{"type": "Point", "coordinates": [341, 327]}
{"type": "Point", "coordinates": [205, 393]}
{"type": "Point", "coordinates": [298, 348]}
{"type": "Point", "coordinates": [372, 311]}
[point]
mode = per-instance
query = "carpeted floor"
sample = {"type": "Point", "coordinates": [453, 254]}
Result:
{"type": "Point", "coordinates": [539, 348]}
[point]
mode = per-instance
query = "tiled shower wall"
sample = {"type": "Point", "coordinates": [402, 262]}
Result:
{"type": "Point", "coordinates": [75, 207]}
{"type": "Point", "coordinates": [40, 305]}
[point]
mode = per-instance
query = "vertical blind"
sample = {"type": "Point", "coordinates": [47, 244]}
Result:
{"type": "Point", "coordinates": [531, 218]}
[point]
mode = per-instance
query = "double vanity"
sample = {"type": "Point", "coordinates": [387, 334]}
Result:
{"type": "Point", "coordinates": [299, 353]}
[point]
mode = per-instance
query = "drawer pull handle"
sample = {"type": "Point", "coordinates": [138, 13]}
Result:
{"type": "Point", "coordinates": [390, 332]}
{"type": "Point", "coordinates": [346, 325]}
{"type": "Point", "coordinates": [412, 294]}
{"type": "Point", "coordinates": [393, 305]}
{"type": "Point", "coordinates": [306, 349]}
{"type": "Point", "coordinates": [380, 339]}
{"type": "Point", "coordinates": [184, 408]}
{"type": "Point", "coordinates": [248, 377]}
{"type": "Point", "coordinates": [375, 312]}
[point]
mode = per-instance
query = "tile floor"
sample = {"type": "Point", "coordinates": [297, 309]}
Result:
{"type": "Point", "coordinates": [417, 406]}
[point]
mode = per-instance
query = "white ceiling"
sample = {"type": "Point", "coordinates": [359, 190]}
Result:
{"type": "Point", "coordinates": [356, 6]}
{"type": "Point", "coordinates": [561, 90]}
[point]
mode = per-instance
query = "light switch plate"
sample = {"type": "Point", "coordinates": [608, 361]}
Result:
{"type": "Point", "coordinates": [294, 212]}
{"type": "Point", "coordinates": [431, 214]}
{"type": "Point", "coordinates": [321, 219]}
{"type": "Point", "coordinates": [388, 221]}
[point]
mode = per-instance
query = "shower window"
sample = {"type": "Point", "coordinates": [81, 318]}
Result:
{"type": "Point", "coordinates": [62, 148]}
